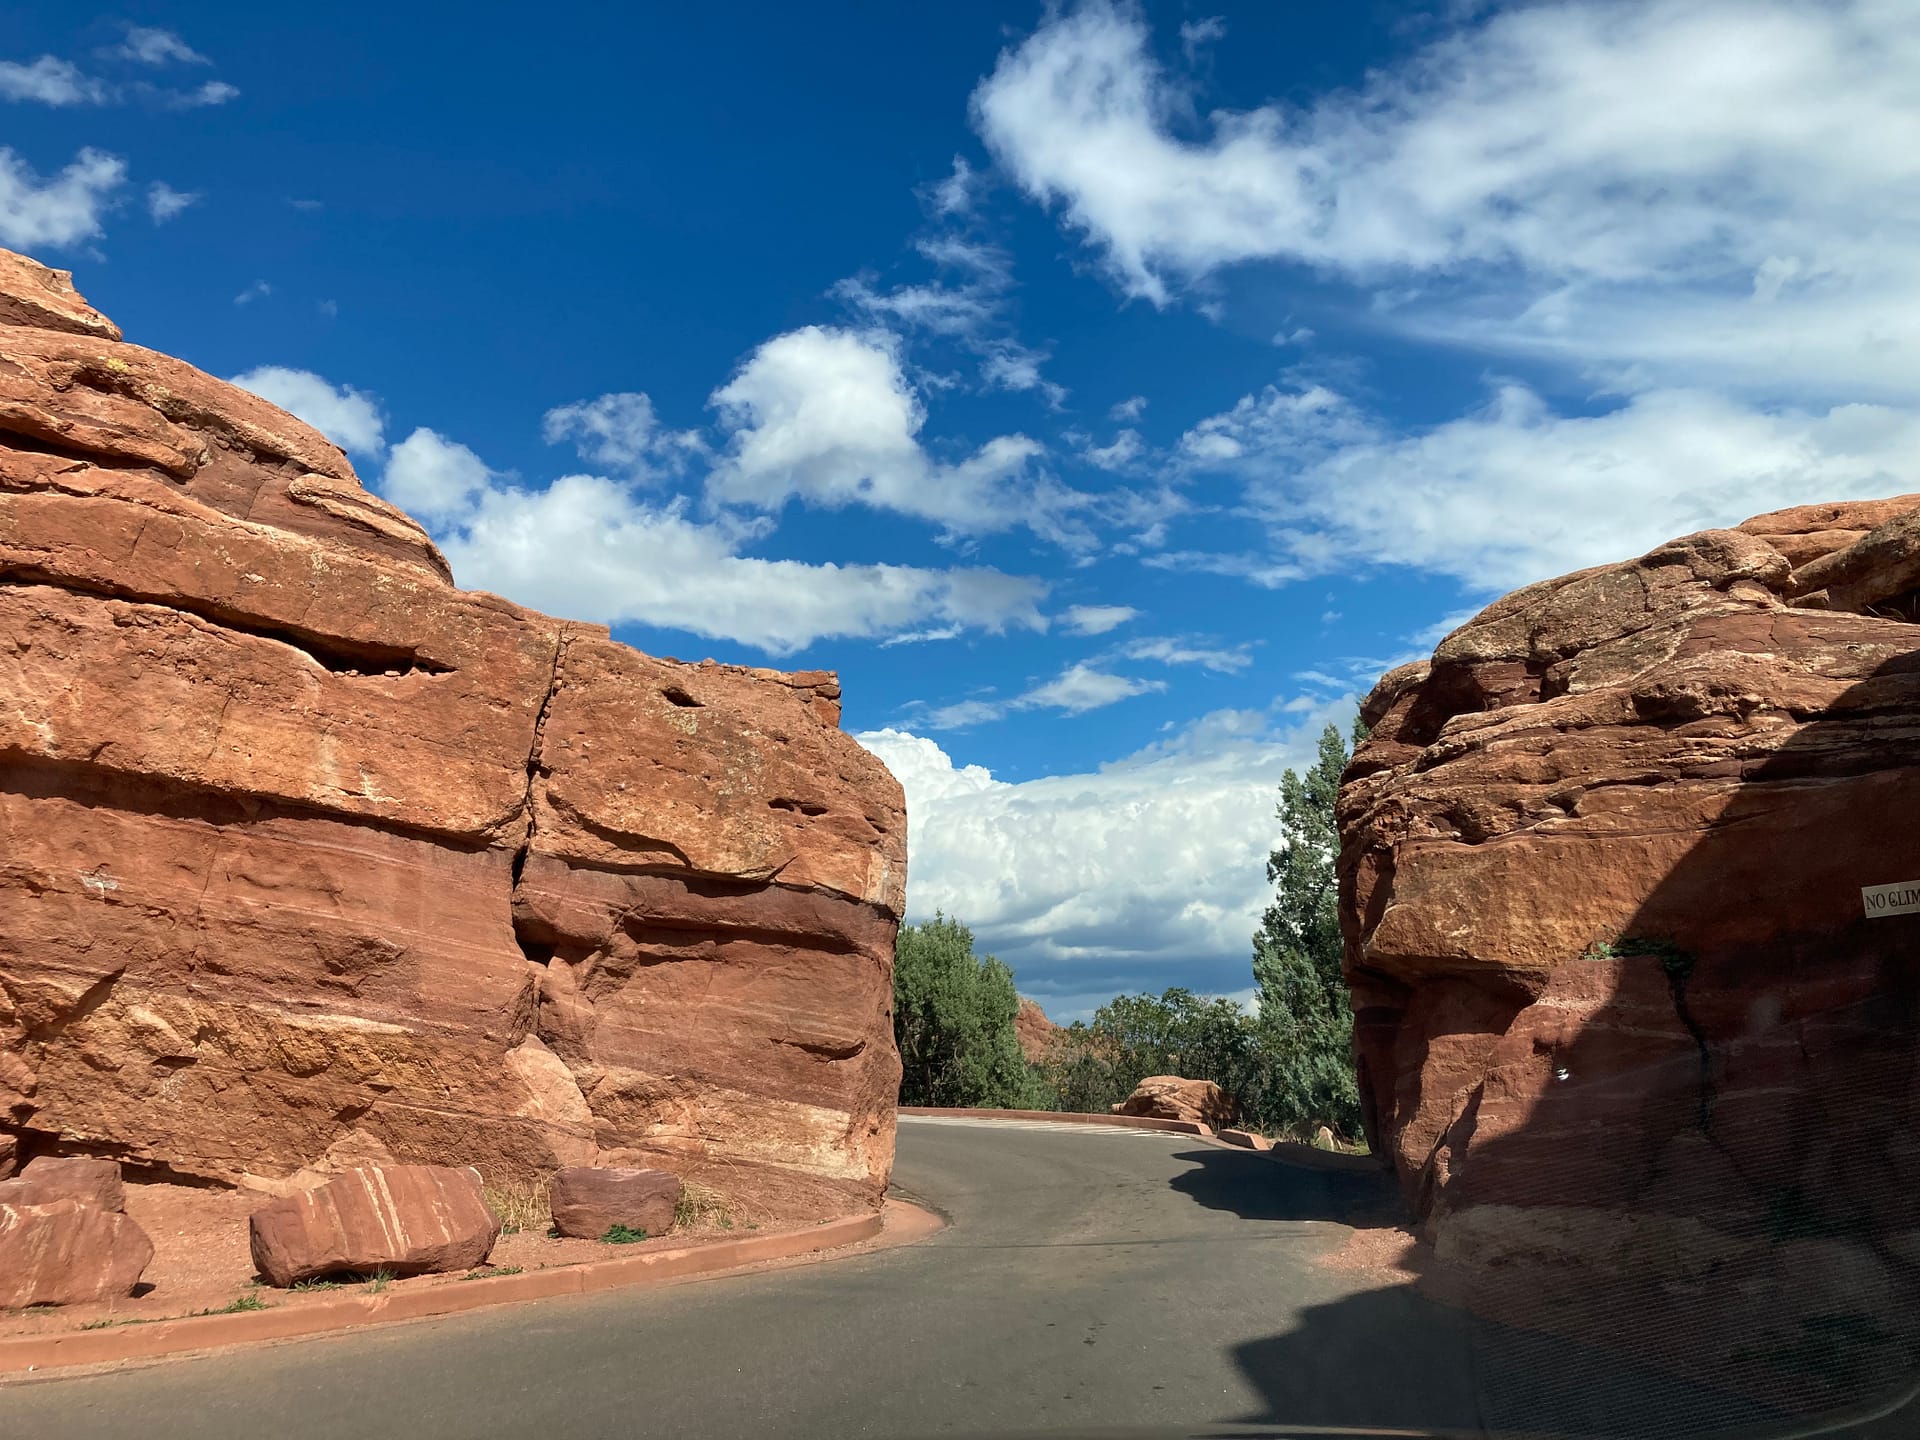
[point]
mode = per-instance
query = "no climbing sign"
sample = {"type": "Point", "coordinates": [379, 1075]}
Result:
{"type": "Point", "coordinates": [1900, 899]}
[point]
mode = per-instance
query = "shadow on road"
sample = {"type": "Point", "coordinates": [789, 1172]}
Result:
{"type": "Point", "coordinates": [1258, 1187]}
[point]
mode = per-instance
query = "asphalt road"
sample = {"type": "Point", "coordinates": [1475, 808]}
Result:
{"type": "Point", "coordinates": [1091, 1278]}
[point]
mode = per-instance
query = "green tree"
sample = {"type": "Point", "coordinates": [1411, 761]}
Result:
{"type": "Point", "coordinates": [1306, 1019]}
{"type": "Point", "coordinates": [953, 1021]}
{"type": "Point", "coordinates": [1173, 1033]}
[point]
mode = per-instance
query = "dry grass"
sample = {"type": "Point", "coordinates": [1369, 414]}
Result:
{"type": "Point", "coordinates": [521, 1205]}
{"type": "Point", "coordinates": [702, 1207]}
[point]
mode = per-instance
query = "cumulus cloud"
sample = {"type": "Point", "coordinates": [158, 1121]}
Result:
{"type": "Point", "coordinates": [348, 417]}
{"type": "Point", "coordinates": [1097, 619]}
{"type": "Point", "coordinates": [589, 548]}
{"type": "Point", "coordinates": [828, 417]}
{"type": "Point", "coordinates": [621, 431]}
{"type": "Point", "coordinates": [62, 210]}
{"type": "Point", "coordinates": [1589, 144]}
{"type": "Point", "coordinates": [50, 81]}
{"type": "Point", "coordinates": [164, 202]}
{"type": "Point", "coordinates": [1146, 872]}
{"type": "Point", "coordinates": [1132, 408]}
{"type": "Point", "coordinates": [1074, 691]}
{"type": "Point", "coordinates": [1514, 492]}
{"type": "Point", "coordinates": [435, 479]}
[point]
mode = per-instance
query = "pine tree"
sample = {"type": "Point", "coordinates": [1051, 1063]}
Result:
{"type": "Point", "coordinates": [1306, 1021]}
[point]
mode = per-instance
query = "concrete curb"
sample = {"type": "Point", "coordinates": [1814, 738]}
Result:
{"type": "Point", "coordinates": [1287, 1152]}
{"type": "Point", "coordinates": [1067, 1117]}
{"type": "Point", "coordinates": [285, 1322]}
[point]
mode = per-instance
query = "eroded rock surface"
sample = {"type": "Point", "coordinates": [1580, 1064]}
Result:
{"type": "Point", "coordinates": [68, 1252]}
{"type": "Point", "coordinates": [50, 1179]}
{"type": "Point", "coordinates": [309, 859]}
{"type": "Point", "coordinates": [396, 1219]}
{"type": "Point", "coordinates": [1622, 1015]}
{"type": "Point", "coordinates": [588, 1201]}
{"type": "Point", "coordinates": [1038, 1035]}
{"type": "Point", "coordinates": [1173, 1097]}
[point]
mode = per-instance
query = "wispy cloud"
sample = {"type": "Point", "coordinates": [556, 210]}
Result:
{"type": "Point", "coordinates": [164, 202]}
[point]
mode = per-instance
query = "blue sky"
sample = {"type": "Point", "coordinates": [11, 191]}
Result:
{"type": "Point", "coordinates": [1108, 392]}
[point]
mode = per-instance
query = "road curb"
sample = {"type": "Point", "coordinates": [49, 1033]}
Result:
{"type": "Point", "coordinates": [154, 1339]}
{"type": "Point", "coordinates": [1066, 1117]}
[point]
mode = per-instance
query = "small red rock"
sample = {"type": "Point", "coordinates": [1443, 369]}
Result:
{"type": "Point", "coordinates": [53, 1178]}
{"type": "Point", "coordinates": [403, 1219]}
{"type": "Point", "coordinates": [589, 1201]}
{"type": "Point", "coordinates": [68, 1253]}
{"type": "Point", "coordinates": [1172, 1097]}
{"type": "Point", "coordinates": [9, 1147]}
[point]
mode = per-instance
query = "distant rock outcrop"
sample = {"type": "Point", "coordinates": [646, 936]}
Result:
{"type": "Point", "coordinates": [309, 859]}
{"type": "Point", "coordinates": [1629, 1003]}
{"type": "Point", "coordinates": [1038, 1035]}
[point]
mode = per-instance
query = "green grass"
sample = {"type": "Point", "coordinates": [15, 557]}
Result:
{"type": "Point", "coordinates": [489, 1272]}
{"type": "Point", "coordinates": [622, 1235]}
{"type": "Point", "coordinates": [379, 1281]}
{"type": "Point", "coordinates": [320, 1282]}
{"type": "Point", "coordinates": [237, 1305]}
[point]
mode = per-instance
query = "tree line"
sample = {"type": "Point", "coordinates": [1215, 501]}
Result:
{"type": "Point", "coordinates": [1286, 1061]}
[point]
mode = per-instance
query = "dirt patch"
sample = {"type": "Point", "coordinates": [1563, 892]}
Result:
{"type": "Point", "coordinates": [202, 1263]}
{"type": "Point", "coordinates": [1384, 1255]}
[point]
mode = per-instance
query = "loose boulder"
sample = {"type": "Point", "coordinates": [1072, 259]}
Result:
{"type": "Point", "coordinates": [400, 1219]}
{"type": "Point", "coordinates": [1171, 1097]}
{"type": "Point", "coordinates": [588, 1202]}
{"type": "Point", "coordinates": [68, 1253]}
{"type": "Point", "coordinates": [311, 857]}
{"type": "Point", "coordinates": [52, 1178]}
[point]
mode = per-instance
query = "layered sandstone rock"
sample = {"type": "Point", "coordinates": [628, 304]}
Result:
{"type": "Point", "coordinates": [588, 1201]}
{"type": "Point", "coordinates": [391, 1219]}
{"type": "Point", "coordinates": [1173, 1097]}
{"type": "Point", "coordinates": [51, 1178]}
{"type": "Point", "coordinates": [310, 859]}
{"type": "Point", "coordinates": [68, 1252]}
{"type": "Point", "coordinates": [1622, 1014]}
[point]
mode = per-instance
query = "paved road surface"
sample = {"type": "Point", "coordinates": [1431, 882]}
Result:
{"type": "Point", "coordinates": [1092, 1277]}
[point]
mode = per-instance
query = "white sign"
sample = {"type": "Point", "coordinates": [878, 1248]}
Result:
{"type": "Point", "coordinates": [1900, 899]}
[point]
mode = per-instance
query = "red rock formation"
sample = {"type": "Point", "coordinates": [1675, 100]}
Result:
{"type": "Point", "coordinates": [68, 1253]}
{"type": "Point", "coordinates": [588, 1201]}
{"type": "Point", "coordinates": [50, 1179]}
{"type": "Point", "coordinates": [1171, 1097]}
{"type": "Point", "coordinates": [309, 859]}
{"type": "Point", "coordinates": [401, 1219]}
{"type": "Point", "coordinates": [1621, 1010]}
{"type": "Point", "coordinates": [1038, 1035]}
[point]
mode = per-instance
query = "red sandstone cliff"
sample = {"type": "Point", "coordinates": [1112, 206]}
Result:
{"type": "Point", "coordinates": [1623, 1019]}
{"type": "Point", "coordinates": [307, 856]}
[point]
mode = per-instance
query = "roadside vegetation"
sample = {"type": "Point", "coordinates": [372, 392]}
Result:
{"type": "Point", "coordinates": [1287, 1060]}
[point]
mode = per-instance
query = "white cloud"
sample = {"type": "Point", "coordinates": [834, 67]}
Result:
{"type": "Point", "coordinates": [50, 81]}
{"type": "Point", "coordinates": [828, 417]}
{"type": "Point", "coordinates": [1170, 651]}
{"type": "Point", "coordinates": [1126, 448]}
{"type": "Point", "coordinates": [1097, 619]}
{"type": "Point", "coordinates": [588, 548]}
{"type": "Point", "coordinates": [954, 195]}
{"type": "Point", "coordinates": [148, 45]}
{"type": "Point", "coordinates": [1146, 872]}
{"type": "Point", "coordinates": [1074, 691]}
{"type": "Point", "coordinates": [258, 290]}
{"type": "Point", "coordinates": [1131, 408]}
{"type": "Point", "coordinates": [213, 92]}
{"type": "Point", "coordinates": [1196, 35]}
{"type": "Point", "coordinates": [164, 202]}
{"type": "Point", "coordinates": [348, 417]}
{"type": "Point", "coordinates": [60, 211]}
{"type": "Point", "coordinates": [621, 431]}
{"type": "Point", "coordinates": [1659, 193]}
{"type": "Point", "coordinates": [1514, 492]}
{"type": "Point", "coordinates": [435, 479]}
